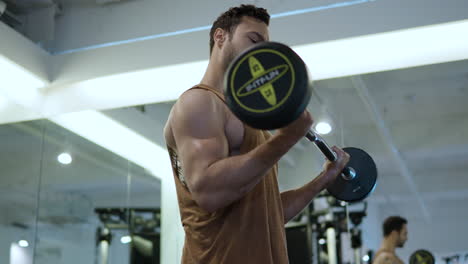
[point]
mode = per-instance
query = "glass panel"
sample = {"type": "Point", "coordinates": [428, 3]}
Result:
{"type": "Point", "coordinates": [80, 179]}
{"type": "Point", "coordinates": [20, 165]}
{"type": "Point", "coordinates": [145, 213]}
{"type": "Point", "coordinates": [413, 122]}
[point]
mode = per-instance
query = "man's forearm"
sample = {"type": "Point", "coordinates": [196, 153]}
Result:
{"type": "Point", "coordinates": [230, 179]}
{"type": "Point", "coordinates": [294, 201]}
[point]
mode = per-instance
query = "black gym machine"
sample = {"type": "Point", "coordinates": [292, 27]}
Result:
{"type": "Point", "coordinates": [142, 225]}
{"type": "Point", "coordinates": [327, 232]}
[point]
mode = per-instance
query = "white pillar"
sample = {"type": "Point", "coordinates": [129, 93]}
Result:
{"type": "Point", "coordinates": [172, 233]}
{"type": "Point", "coordinates": [103, 247]}
{"type": "Point", "coordinates": [331, 245]}
{"type": "Point", "coordinates": [103, 252]}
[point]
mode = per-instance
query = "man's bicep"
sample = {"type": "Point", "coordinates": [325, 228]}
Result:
{"type": "Point", "coordinates": [197, 154]}
{"type": "Point", "coordinates": [199, 134]}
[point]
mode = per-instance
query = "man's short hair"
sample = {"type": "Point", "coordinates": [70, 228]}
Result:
{"type": "Point", "coordinates": [229, 20]}
{"type": "Point", "coordinates": [393, 223]}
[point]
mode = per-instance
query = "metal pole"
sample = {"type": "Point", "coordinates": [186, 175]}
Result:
{"type": "Point", "coordinates": [104, 247]}
{"type": "Point", "coordinates": [331, 245]}
{"type": "Point", "coordinates": [357, 256]}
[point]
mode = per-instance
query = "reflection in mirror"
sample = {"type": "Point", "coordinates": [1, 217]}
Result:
{"type": "Point", "coordinates": [77, 177]}
{"type": "Point", "coordinates": [20, 163]}
{"type": "Point", "coordinates": [145, 216]}
{"type": "Point", "coordinates": [413, 122]}
{"type": "Point", "coordinates": [55, 185]}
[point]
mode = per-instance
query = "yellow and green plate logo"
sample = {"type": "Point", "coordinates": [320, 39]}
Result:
{"type": "Point", "coordinates": [272, 83]}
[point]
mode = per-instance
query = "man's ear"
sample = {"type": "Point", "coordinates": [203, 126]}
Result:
{"type": "Point", "coordinates": [219, 37]}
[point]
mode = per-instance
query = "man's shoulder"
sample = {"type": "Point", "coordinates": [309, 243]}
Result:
{"type": "Point", "coordinates": [197, 97]}
{"type": "Point", "coordinates": [196, 110]}
{"type": "Point", "coordinates": [385, 257]}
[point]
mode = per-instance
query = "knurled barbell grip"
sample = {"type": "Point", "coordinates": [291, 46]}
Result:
{"type": "Point", "coordinates": [326, 150]}
{"type": "Point", "coordinates": [320, 143]}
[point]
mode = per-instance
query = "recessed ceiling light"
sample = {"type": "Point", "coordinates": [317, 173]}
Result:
{"type": "Point", "coordinates": [323, 128]}
{"type": "Point", "coordinates": [64, 158]}
{"type": "Point", "coordinates": [23, 243]}
{"type": "Point", "coordinates": [365, 258]}
{"type": "Point", "coordinates": [125, 239]}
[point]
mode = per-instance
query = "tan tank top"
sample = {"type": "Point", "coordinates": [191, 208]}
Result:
{"type": "Point", "coordinates": [250, 230]}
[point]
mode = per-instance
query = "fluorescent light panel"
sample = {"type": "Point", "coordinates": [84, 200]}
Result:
{"type": "Point", "coordinates": [332, 59]}
{"type": "Point", "coordinates": [18, 84]}
{"type": "Point", "coordinates": [120, 90]}
{"type": "Point", "coordinates": [3, 103]}
{"type": "Point", "coordinates": [386, 51]}
{"type": "Point", "coordinates": [166, 82]}
{"type": "Point", "coordinates": [11, 112]}
{"type": "Point", "coordinates": [18, 77]}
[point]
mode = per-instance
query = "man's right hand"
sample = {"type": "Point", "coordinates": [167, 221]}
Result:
{"type": "Point", "coordinates": [298, 128]}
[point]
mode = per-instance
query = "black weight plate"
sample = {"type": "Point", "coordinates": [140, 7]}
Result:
{"type": "Point", "coordinates": [421, 257]}
{"type": "Point", "coordinates": [363, 184]}
{"type": "Point", "coordinates": [267, 86]}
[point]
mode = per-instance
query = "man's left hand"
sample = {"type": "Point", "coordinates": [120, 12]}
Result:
{"type": "Point", "coordinates": [331, 170]}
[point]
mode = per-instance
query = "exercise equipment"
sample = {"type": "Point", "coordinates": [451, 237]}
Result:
{"type": "Point", "coordinates": [422, 256]}
{"type": "Point", "coordinates": [267, 87]}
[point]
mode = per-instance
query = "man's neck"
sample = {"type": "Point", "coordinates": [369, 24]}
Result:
{"type": "Point", "coordinates": [214, 75]}
{"type": "Point", "coordinates": [388, 245]}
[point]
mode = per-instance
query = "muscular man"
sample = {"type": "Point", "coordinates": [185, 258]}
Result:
{"type": "Point", "coordinates": [395, 235]}
{"type": "Point", "coordinates": [225, 171]}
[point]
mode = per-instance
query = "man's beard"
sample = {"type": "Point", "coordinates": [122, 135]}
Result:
{"type": "Point", "coordinates": [401, 244]}
{"type": "Point", "coordinates": [229, 58]}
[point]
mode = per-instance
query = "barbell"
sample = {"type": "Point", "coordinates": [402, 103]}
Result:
{"type": "Point", "coordinates": [267, 87]}
{"type": "Point", "coordinates": [422, 256]}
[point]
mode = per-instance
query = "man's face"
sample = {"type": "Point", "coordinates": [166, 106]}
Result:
{"type": "Point", "coordinates": [402, 236]}
{"type": "Point", "coordinates": [246, 34]}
